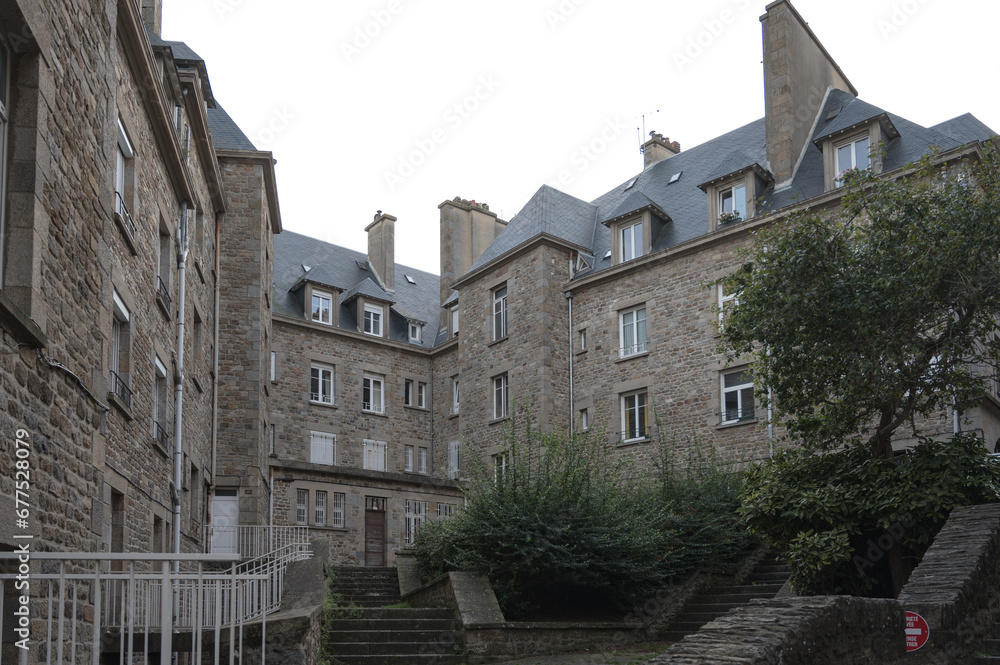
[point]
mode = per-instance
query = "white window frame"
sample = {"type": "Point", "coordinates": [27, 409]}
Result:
{"type": "Point", "coordinates": [422, 460]}
{"type": "Point", "coordinates": [455, 394]}
{"type": "Point", "coordinates": [416, 515]}
{"type": "Point", "coordinates": [421, 394]}
{"type": "Point", "coordinates": [274, 366]}
{"type": "Point", "coordinates": [415, 329]}
{"type": "Point", "coordinates": [301, 507]}
{"type": "Point", "coordinates": [317, 311]}
{"type": "Point", "coordinates": [454, 321]}
{"type": "Point", "coordinates": [584, 420]}
{"type": "Point", "coordinates": [121, 335]}
{"type": "Point", "coordinates": [500, 463]}
{"type": "Point", "coordinates": [322, 448]}
{"type": "Point", "coordinates": [632, 333]}
{"type": "Point", "coordinates": [161, 395]}
{"type": "Point", "coordinates": [374, 455]}
{"type": "Point", "coordinates": [736, 195]}
{"type": "Point", "coordinates": [501, 396]}
{"type": "Point", "coordinates": [583, 340]}
{"type": "Point", "coordinates": [727, 301]}
{"type": "Point", "coordinates": [500, 312]}
{"type": "Point", "coordinates": [375, 387]}
{"type": "Point", "coordinates": [407, 458]}
{"type": "Point", "coordinates": [454, 459]}
{"type": "Point", "coordinates": [319, 512]}
{"type": "Point", "coordinates": [635, 415]}
{"type": "Point", "coordinates": [321, 378]}
{"type": "Point", "coordinates": [407, 392]}
{"type": "Point", "coordinates": [740, 394]}
{"type": "Point", "coordinates": [851, 143]}
{"type": "Point", "coordinates": [372, 320]}
{"type": "Point", "coordinates": [337, 510]}
{"type": "Point", "coordinates": [630, 241]}
{"type": "Point", "coordinates": [445, 510]}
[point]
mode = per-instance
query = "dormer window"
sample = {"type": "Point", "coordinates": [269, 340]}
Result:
{"type": "Point", "coordinates": [630, 241]}
{"type": "Point", "coordinates": [733, 203]}
{"type": "Point", "coordinates": [733, 197]}
{"type": "Point", "coordinates": [415, 332]}
{"type": "Point", "coordinates": [373, 320]}
{"type": "Point", "coordinates": [322, 308]}
{"type": "Point", "coordinates": [852, 154]}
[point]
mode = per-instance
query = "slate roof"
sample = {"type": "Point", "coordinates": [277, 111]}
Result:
{"type": "Point", "coordinates": [339, 266]}
{"type": "Point", "coordinates": [226, 134]}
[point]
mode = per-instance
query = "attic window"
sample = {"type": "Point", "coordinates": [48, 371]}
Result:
{"type": "Point", "coordinates": [834, 113]}
{"type": "Point", "coordinates": [582, 263]}
{"type": "Point", "coordinates": [675, 177]}
{"type": "Point", "coordinates": [306, 268]}
{"type": "Point", "coordinates": [362, 264]}
{"type": "Point", "coordinates": [630, 184]}
{"type": "Point", "coordinates": [608, 255]}
{"type": "Point", "coordinates": [409, 278]}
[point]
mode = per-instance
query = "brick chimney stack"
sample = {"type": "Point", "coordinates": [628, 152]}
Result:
{"type": "Point", "coordinates": [467, 229]}
{"type": "Point", "coordinates": [152, 14]}
{"type": "Point", "coordinates": [657, 148]}
{"type": "Point", "coordinates": [382, 249]}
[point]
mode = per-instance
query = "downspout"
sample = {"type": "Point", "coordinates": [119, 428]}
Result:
{"type": "Point", "coordinates": [215, 358]}
{"type": "Point", "coordinates": [569, 299]}
{"type": "Point", "coordinates": [770, 426]}
{"type": "Point", "coordinates": [182, 249]}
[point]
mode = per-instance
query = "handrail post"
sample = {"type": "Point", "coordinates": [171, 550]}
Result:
{"type": "Point", "coordinates": [166, 629]}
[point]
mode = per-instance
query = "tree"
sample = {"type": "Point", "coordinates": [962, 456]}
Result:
{"type": "Point", "coordinates": [860, 319]}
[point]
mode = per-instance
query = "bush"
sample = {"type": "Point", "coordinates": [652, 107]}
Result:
{"type": "Point", "coordinates": [839, 515]}
{"type": "Point", "coordinates": [564, 522]}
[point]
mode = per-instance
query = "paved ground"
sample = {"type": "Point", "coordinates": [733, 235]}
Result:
{"type": "Point", "coordinates": [635, 655]}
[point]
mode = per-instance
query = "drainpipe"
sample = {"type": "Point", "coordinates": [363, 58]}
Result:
{"type": "Point", "coordinates": [770, 426]}
{"type": "Point", "coordinates": [182, 249]}
{"type": "Point", "coordinates": [215, 358]}
{"type": "Point", "coordinates": [569, 299]}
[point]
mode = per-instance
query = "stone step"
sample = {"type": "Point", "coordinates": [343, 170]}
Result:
{"type": "Point", "coordinates": [341, 649]}
{"type": "Point", "coordinates": [395, 613]}
{"type": "Point", "coordinates": [364, 623]}
{"type": "Point", "coordinates": [777, 577]}
{"type": "Point", "coordinates": [993, 647]}
{"type": "Point", "coordinates": [745, 590]}
{"type": "Point", "coordinates": [403, 659]}
{"type": "Point", "coordinates": [389, 636]}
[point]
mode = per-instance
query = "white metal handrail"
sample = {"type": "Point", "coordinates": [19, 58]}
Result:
{"type": "Point", "coordinates": [251, 542]}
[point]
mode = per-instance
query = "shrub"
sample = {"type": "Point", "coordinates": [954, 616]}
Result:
{"type": "Point", "coordinates": [839, 515]}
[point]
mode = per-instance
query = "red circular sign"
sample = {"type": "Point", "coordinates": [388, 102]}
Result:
{"type": "Point", "coordinates": [917, 631]}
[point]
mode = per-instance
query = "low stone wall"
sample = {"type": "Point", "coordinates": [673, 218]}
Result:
{"type": "Point", "coordinates": [828, 630]}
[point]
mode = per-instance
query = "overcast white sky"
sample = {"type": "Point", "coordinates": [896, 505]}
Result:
{"type": "Point", "coordinates": [398, 105]}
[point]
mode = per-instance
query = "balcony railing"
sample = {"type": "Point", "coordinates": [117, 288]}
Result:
{"type": "Point", "coordinates": [737, 415]}
{"type": "Point", "coordinates": [119, 387]}
{"type": "Point", "coordinates": [124, 215]}
{"type": "Point", "coordinates": [322, 398]}
{"type": "Point", "coordinates": [161, 435]}
{"type": "Point", "coordinates": [632, 349]}
{"type": "Point", "coordinates": [162, 292]}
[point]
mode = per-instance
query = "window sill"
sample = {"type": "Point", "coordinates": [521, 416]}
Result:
{"type": "Point", "coordinates": [453, 414]}
{"type": "Point", "coordinates": [116, 401]}
{"type": "Point", "coordinates": [498, 420]}
{"type": "Point", "coordinates": [340, 529]}
{"type": "Point", "coordinates": [322, 323]}
{"type": "Point", "coordinates": [415, 408]}
{"type": "Point", "coordinates": [158, 447]}
{"type": "Point", "coordinates": [632, 442]}
{"type": "Point", "coordinates": [622, 359]}
{"type": "Point", "coordinates": [581, 352]}
{"type": "Point", "coordinates": [129, 238]}
{"type": "Point", "coordinates": [380, 414]}
{"type": "Point", "coordinates": [20, 324]}
{"type": "Point", "coordinates": [325, 405]}
{"type": "Point", "coordinates": [737, 423]}
{"type": "Point", "coordinates": [498, 341]}
{"type": "Point", "coordinates": [422, 474]}
{"type": "Point", "coordinates": [164, 307]}
{"type": "Point", "coordinates": [197, 384]}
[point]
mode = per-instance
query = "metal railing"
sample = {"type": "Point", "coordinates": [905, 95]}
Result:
{"type": "Point", "coordinates": [163, 292]}
{"type": "Point", "coordinates": [251, 542]}
{"type": "Point", "coordinates": [119, 387]}
{"type": "Point", "coordinates": [126, 217]}
{"type": "Point", "coordinates": [91, 613]}
{"type": "Point", "coordinates": [161, 435]}
{"type": "Point", "coordinates": [736, 415]}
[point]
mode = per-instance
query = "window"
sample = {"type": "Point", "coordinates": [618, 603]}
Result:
{"type": "Point", "coordinates": [446, 509]}
{"type": "Point", "coordinates": [194, 501]}
{"type": "Point", "coordinates": [322, 446]}
{"type": "Point", "coordinates": [120, 358]}
{"type": "Point", "coordinates": [160, 397]}
{"type": "Point", "coordinates": [727, 301]}
{"type": "Point", "coordinates": [415, 332]}
{"type": "Point", "coordinates": [454, 460]}
{"type": "Point", "coordinates": [454, 321]}
{"type": "Point", "coordinates": [733, 203]}
{"type": "Point", "coordinates": [301, 506]}
{"type": "Point", "coordinates": [374, 455]}
{"type": "Point", "coordinates": [164, 268]}
{"type": "Point", "coordinates": [273, 366]}
{"type": "Point", "coordinates": [371, 394]}
{"type": "Point", "coordinates": [337, 510]}
{"type": "Point", "coordinates": [123, 154]}
{"type": "Point", "coordinates": [408, 392]}
{"type": "Point", "coordinates": [583, 340]}
{"type": "Point", "coordinates": [322, 311]}
{"type": "Point", "coordinates": [320, 508]}
{"type": "Point", "coordinates": [584, 420]}
{"type": "Point", "coordinates": [500, 463]}
{"type": "Point", "coordinates": [421, 460]}
{"type": "Point", "coordinates": [635, 424]}
{"type": "Point", "coordinates": [416, 513]}
{"type": "Point", "coordinates": [852, 155]}
{"type": "Point", "coordinates": [633, 331]}
{"type": "Point", "coordinates": [454, 394]}
{"type": "Point", "coordinates": [197, 334]}
{"type": "Point", "coordinates": [422, 395]}
{"type": "Point", "coordinates": [407, 458]}
{"type": "Point", "coordinates": [500, 396]}
{"type": "Point", "coordinates": [321, 384]}
{"type": "Point", "coordinates": [373, 320]}
{"type": "Point", "coordinates": [500, 312]}
{"type": "Point", "coordinates": [630, 238]}
{"type": "Point", "coordinates": [270, 440]}
{"type": "Point", "coordinates": [737, 396]}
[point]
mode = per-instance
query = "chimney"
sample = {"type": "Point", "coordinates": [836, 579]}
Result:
{"type": "Point", "coordinates": [797, 74]}
{"type": "Point", "coordinates": [152, 14]}
{"type": "Point", "coordinates": [382, 249]}
{"type": "Point", "coordinates": [657, 148]}
{"type": "Point", "coordinates": [467, 229]}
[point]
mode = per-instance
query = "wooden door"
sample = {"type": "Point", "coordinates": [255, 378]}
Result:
{"type": "Point", "coordinates": [374, 531]}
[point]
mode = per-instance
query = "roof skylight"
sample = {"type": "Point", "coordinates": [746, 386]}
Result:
{"type": "Point", "coordinates": [675, 177]}
{"type": "Point", "coordinates": [409, 278]}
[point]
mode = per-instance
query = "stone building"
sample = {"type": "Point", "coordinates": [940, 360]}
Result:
{"type": "Point", "coordinates": [589, 314]}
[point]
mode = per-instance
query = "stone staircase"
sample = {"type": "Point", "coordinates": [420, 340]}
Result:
{"type": "Point", "coordinates": [367, 632]}
{"type": "Point", "coordinates": [992, 656]}
{"type": "Point", "coordinates": [764, 581]}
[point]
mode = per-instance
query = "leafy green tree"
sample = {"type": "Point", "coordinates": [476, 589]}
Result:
{"type": "Point", "coordinates": [860, 319]}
